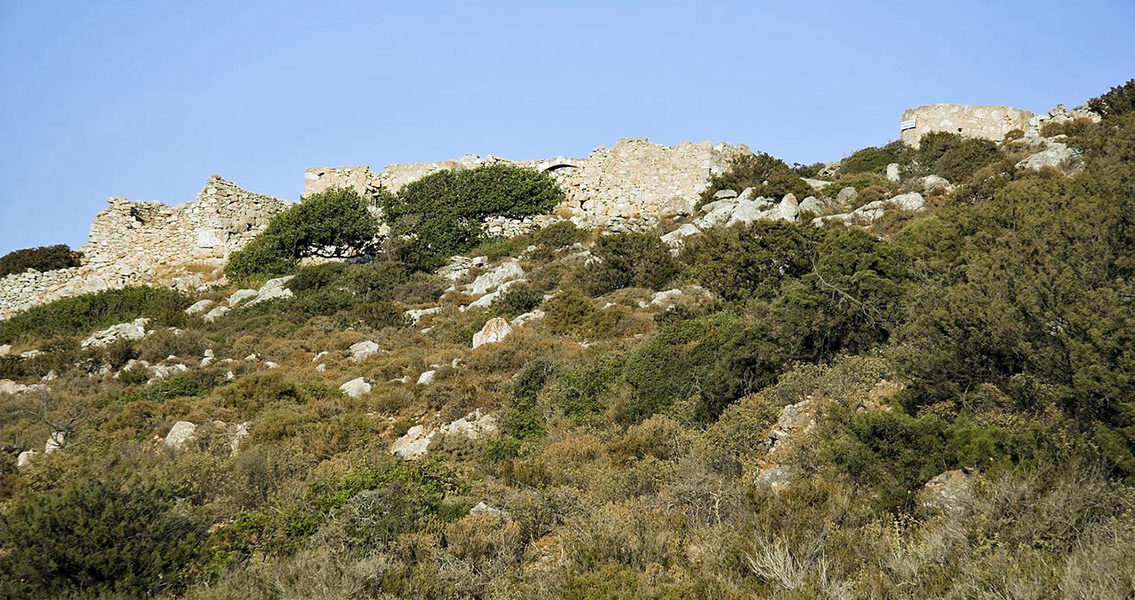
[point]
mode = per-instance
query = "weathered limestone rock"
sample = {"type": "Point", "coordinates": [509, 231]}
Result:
{"type": "Point", "coordinates": [493, 332]}
{"type": "Point", "coordinates": [908, 201]}
{"type": "Point", "coordinates": [165, 371]}
{"type": "Point", "coordinates": [5, 349]}
{"type": "Point", "coordinates": [240, 296]}
{"type": "Point", "coordinates": [893, 172]}
{"type": "Point", "coordinates": [180, 435]}
{"type": "Point", "coordinates": [491, 280]}
{"type": "Point", "coordinates": [25, 459]}
{"type": "Point", "coordinates": [812, 204]}
{"type": "Point", "coordinates": [57, 440]}
{"type": "Point", "coordinates": [356, 387]}
{"type": "Point", "coordinates": [216, 313]}
{"type": "Point", "coordinates": [416, 314]}
{"type": "Point", "coordinates": [360, 351]}
{"type": "Point", "coordinates": [427, 377]}
{"type": "Point", "coordinates": [932, 182]}
{"type": "Point", "coordinates": [7, 386]}
{"type": "Point", "coordinates": [535, 315]}
{"type": "Point", "coordinates": [199, 307]}
{"type": "Point", "coordinates": [414, 444]}
{"type": "Point", "coordinates": [271, 290]}
{"type": "Point", "coordinates": [846, 196]}
{"type": "Point", "coordinates": [676, 239]}
{"type": "Point", "coordinates": [473, 425]}
{"type": "Point", "coordinates": [946, 492]}
{"type": "Point", "coordinates": [240, 436]}
{"type": "Point", "coordinates": [487, 300]}
{"type": "Point", "coordinates": [775, 478]}
{"type": "Point", "coordinates": [134, 330]}
{"type": "Point", "coordinates": [1055, 155]}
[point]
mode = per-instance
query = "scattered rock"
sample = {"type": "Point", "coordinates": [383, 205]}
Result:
{"type": "Point", "coordinates": [7, 386]}
{"type": "Point", "coordinates": [427, 377]}
{"type": "Point", "coordinates": [134, 330]}
{"type": "Point", "coordinates": [198, 307]}
{"type": "Point", "coordinates": [180, 435]}
{"type": "Point", "coordinates": [165, 371]}
{"type": "Point", "coordinates": [676, 239]}
{"type": "Point", "coordinates": [240, 296]}
{"type": "Point", "coordinates": [416, 314]}
{"type": "Point", "coordinates": [271, 290]}
{"type": "Point", "coordinates": [216, 313]}
{"type": "Point", "coordinates": [665, 297]}
{"type": "Point", "coordinates": [893, 172]}
{"type": "Point", "coordinates": [25, 459]}
{"type": "Point", "coordinates": [721, 194]}
{"type": "Point", "coordinates": [493, 332]}
{"type": "Point", "coordinates": [1057, 156]}
{"type": "Point", "coordinates": [488, 281]}
{"type": "Point", "coordinates": [933, 182]}
{"type": "Point", "coordinates": [56, 441]}
{"type": "Point", "coordinates": [414, 444]}
{"type": "Point", "coordinates": [486, 510]}
{"type": "Point", "coordinates": [535, 315]}
{"type": "Point", "coordinates": [846, 196]}
{"type": "Point", "coordinates": [240, 436]}
{"type": "Point", "coordinates": [5, 349]}
{"type": "Point", "coordinates": [946, 492]}
{"type": "Point", "coordinates": [908, 201]}
{"type": "Point", "coordinates": [812, 204]}
{"type": "Point", "coordinates": [473, 425]}
{"type": "Point", "coordinates": [207, 359]}
{"type": "Point", "coordinates": [775, 478]}
{"type": "Point", "coordinates": [356, 387]}
{"type": "Point", "coordinates": [271, 365]}
{"type": "Point", "coordinates": [362, 350]}
{"type": "Point", "coordinates": [817, 184]}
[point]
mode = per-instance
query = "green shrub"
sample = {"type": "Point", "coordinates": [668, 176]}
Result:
{"type": "Point", "coordinates": [627, 260]}
{"type": "Point", "coordinates": [519, 298]}
{"type": "Point", "coordinates": [333, 223]}
{"type": "Point", "coordinates": [377, 280]}
{"type": "Point", "coordinates": [100, 535]}
{"type": "Point", "coordinates": [85, 314]}
{"type": "Point", "coordinates": [1116, 101]}
{"type": "Point", "coordinates": [749, 261]}
{"type": "Point", "coordinates": [43, 258]}
{"type": "Point", "coordinates": [442, 214]}
{"type": "Point", "coordinates": [954, 156]}
{"type": "Point", "coordinates": [767, 175]}
{"type": "Point", "coordinates": [872, 159]}
{"type": "Point", "coordinates": [378, 315]}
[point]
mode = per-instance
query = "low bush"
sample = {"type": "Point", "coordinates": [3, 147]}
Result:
{"type": "Point", "coordinates": [85, 314]}
{"type": "Point", "coordinates": [953, 156]}
{"type": "Point", "coordinates": [749, 261]}
{"type": "Point", "coordinates": [874, 160]}
{"type": "Point", "coordinates": [627, 260]}
{"type": "Point", "coordinates": [767, 175]}
{"type": "Point", "coordinates": [1116, 101]}
{"type": "Point", "coordinates": [43, 258]}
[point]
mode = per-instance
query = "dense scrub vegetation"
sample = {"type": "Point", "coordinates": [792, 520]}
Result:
{"type": "Point", "coordinates": [767, 175]}
{"type": "Point", "coordinates": [993, 337]}
{"type": "Point", "coordinates": [443, 214]}
{"type": "Point", "coordinates": [333, 223]}
{"type": "Point", "coordinates": [43, 258]}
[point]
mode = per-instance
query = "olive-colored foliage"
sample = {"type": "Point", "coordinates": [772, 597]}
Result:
{"type": "Point", "coordinates": [442, 214]}
{"type": "Point", "coordinates": [627, 260]}
{"type": "Point", "coordinates": [1117, 101]}
{"type": "Point", "coordinates": [953, 156]}
{"type": "Point", "coordinates": [333, 223]}
{"type": "Point", "coordinates": [767, 175]}
{"type": "Point", "coordinates": [874, 160]}
{"type": "Point", "coordinates": [42, 258]}
{"type": "Point", "coordinates": [1028, 297]}
{"type": "Point", "coordinates": [749, 261]}
{"type": "Point", "coordinates": [110, 534]}
{"type": "Point", "coordinates": [83, 315]}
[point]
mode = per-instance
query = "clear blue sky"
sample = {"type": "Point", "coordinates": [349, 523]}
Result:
{"type": "Point", "coordinates": [147, 99]}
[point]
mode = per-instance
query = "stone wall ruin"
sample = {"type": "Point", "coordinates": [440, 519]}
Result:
{"type": "Point", "coordinates": [986, 122]}
{"type": "Point", "coordinates": [134, 243]}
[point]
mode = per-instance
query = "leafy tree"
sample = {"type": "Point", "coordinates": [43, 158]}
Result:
{"type": "Point", "coordinates": [333, 223]}
{"type": "Point", "coordinates": [750, 261]}
{"type": "Point", "coordinates": [442, 214]}
{"type": "Point", "coordinates": [953, 156]}
{"type": "Point", "coordinates": [873, 159]}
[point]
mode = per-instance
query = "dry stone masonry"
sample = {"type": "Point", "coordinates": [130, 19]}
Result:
{"type": "Point", "coordinates": [150, 243]}
{"type": "Point", "coordinates": [987, 122]}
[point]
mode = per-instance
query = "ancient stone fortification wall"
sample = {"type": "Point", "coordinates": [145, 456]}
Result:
{"type": "Point", "coordinates": [150, 242]}
{"type": "Point", "coordinates": [633, 180]}
{"type": "Point", "coordinates": [988, 122]}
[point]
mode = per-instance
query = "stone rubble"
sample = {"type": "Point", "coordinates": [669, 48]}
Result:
{"type": "Point", "coordinates": [494, 331]}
